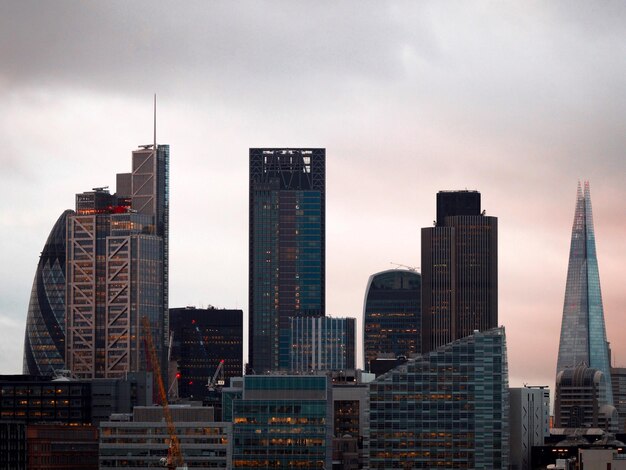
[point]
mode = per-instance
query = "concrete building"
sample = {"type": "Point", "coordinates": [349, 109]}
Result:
{"type": "Point", "coordinates": [60, 447]}
{"type": "Point", "coordinates": [618, 381]}
{"type": "Point", "coordinates": [527, 420]}
{"type": "Point", "coordinates": [580, 400]}
{"type": "Point", "coordinates": [141, 440]}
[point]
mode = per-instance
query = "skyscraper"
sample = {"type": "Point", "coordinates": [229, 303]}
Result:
{"type": "Point", "coordinates": [44, 342]}
{"type": "Point", "coordinates": [287, 244]}
{"type": "Point", "coordinates": [583, 334]}
{"type": "Point", "coordinates": [445, 409]}
{"type": "Point", "coordinates": [201, 339]}
{"type": "Point", "coordinates": [459, 270]}
{"type": "Point", "coordinates": [392, 315]}
{"type": "Point", "coordinates": [117, 266]}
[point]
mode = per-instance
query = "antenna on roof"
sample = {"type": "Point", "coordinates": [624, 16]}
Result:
{"type": "Point", "coordinates": [155, 144]}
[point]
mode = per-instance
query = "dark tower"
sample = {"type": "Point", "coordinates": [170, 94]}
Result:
{"type": "Point", "coordinates": [287, 245]}
{"type": "Point", "coordinates": [392, 315]}
{"type": "Point", "coordinates": [459, 270]}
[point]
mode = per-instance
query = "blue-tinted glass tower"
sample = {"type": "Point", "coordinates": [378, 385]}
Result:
{"type": "Point", "coordinates": [287, 245]}
{"type": "Point", "coordinates": [44, 342]}
{"type": "Point", "coordinates": [446, 409]}
{"type": "Point", "coordinates": [583, 334]}
{"type": "Point", "coordinates": [392, 315]}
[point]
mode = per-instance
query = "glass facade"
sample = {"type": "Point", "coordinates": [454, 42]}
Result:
{"type": "Point", "coordinates": [202, 338]}
{"type": "Point", "coordinates": [283, 422]}
{"type": "Point", "coordinates": [583, 333]}
{"type": "Point", "coordinates": [392, 315]}
{"type": "Point", "coordinates": [44, 342]}
{"type": "Point", "coordinates": [286, 248]}
{"type": "Point", "coordinates": [116, 270]}
{"type": "Point", "coordinates": [459, 270]}
{"type": "Point", "coordinates": [445, 409]}
{"type": "Point", "coordinates": [321, 343]}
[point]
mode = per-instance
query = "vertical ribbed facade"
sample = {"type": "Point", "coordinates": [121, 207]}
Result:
{"type": "Point", "coordinates": [583, 332]}
{"type": "Point", "coordinates": [392, 315]}
{"type": "Point", "coordinates": [44, 342]}
{"type": "Point", "coordinates": [321, 343]}
{"type": "Point", "coordinates": [287, 244]}
{"type": "Point", "coordinates": [459, 271]}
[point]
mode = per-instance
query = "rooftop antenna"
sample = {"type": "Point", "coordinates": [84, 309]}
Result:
{"type": "Point", "coordinates": [155, 144]}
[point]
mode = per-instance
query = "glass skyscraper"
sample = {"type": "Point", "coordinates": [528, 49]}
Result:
{"type": "Point", "coordinates": [459, 270]}
{"type": "Point", "coordinates": [445, 409]}
{"type": "Point", "coordinates": [117, 270]}
{"type": "Point", "coordinates": [583, 334]}
{"type": "Point", "coordinates": [44, 342]}
{"type": "Point", "coordinates": [287, 245]}
{"type": "Point", "coordinates": [392, 315]}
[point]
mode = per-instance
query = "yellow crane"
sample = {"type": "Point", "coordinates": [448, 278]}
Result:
{"type": "Point", "coordinates": [174, 454]}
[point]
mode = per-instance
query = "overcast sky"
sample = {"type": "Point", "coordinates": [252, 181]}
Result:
{"type": "Point", "coordinates": [518, 100]}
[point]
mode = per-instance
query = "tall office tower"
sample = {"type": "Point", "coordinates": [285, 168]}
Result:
{"type": "Point", "coordinates": [321, 343]}
{"type": "Point", "coordinates": [580, 400]}
{"type": "Point", "coordinates": [287, 245]}
{"type": "Point", "coordinates": [583, 335]}
{"type": "Point", "coordinates": [448, 408]}
{"type": "Point", "coordinates": [459, 270]}
{"type": "Point", "coordinates": [44, 342]}
{"type": "Point", "coordinates": [116, 270]}
{"type": "Point", "coordinates": [392, 315]}
{"type": "Point", "coordinates": [201, 339]}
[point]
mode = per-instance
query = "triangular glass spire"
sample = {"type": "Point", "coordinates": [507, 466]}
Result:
{"type": "Point", "coordinates": [583, 334]}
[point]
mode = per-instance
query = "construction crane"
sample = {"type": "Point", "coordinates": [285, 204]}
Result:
{"type": "Point", "coordinates": [174, 459]}
{"type": "Point", "coordinates": [410, 268]}
{"type": "Point", "coordinates": [216, 383]}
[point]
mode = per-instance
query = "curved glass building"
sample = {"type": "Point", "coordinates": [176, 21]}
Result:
{"type": "Point", "coordinates": [392, 314]}
{"type": "Point", "coordinates": [44, 342]}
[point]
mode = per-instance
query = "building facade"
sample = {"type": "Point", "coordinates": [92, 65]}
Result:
{"type": "Point", "coordinates": [201, 339]}
{"type": "Point", "coordinates": [283, 421]}
{"type": "Point", "coordinates": [527, 420]}
{"type": "Point", "coordinates": [580, 400]}
{"type": "Point", "coordinates": [321, 343]}
{"type": "Point", "coordinates": [60, 447]}
{"type": "Point", "coordinates": [445, 409]}
{"type": "Point", "coordinates": [117, 270]}
{"type": "Point", "coordinates": [287, 244]}
{"type": "Point", "coordinates": [459, 270]}
{"type": "Point", "coordinates": [583, 333]}
{"type": "Point", "coordinates": [392, 315]}
{"type": "Point", "coordinates": [44, 342]}
{"type": "Point", "coordinates": [618, 381]}
{"type": "Point", "coordinates": [141, 440]}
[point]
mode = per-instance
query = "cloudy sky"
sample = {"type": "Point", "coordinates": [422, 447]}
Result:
{"type": "Point", "coordinates": [519, 100]}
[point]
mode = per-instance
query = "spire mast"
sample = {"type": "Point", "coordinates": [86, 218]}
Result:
{"type": "Point", "coordinates": [155, 141]}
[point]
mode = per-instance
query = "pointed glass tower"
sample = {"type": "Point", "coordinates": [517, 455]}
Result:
{"type": "Point", "coordinates": [583, 334]}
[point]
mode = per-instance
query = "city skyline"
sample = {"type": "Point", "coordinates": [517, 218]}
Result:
{"type": "Point", "coordinates": [520, 112]}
